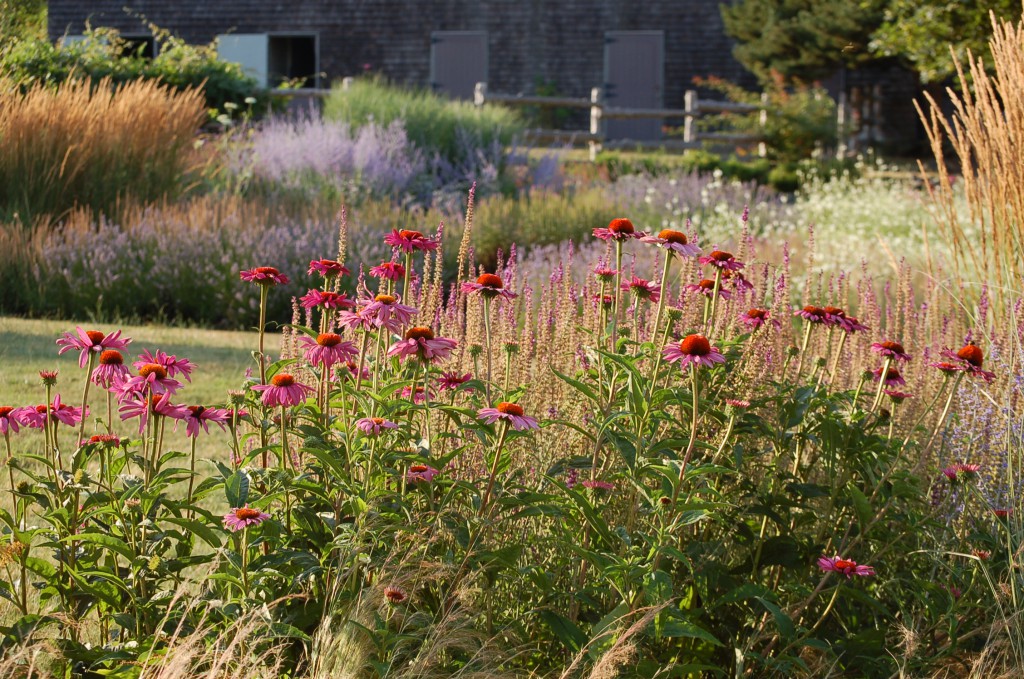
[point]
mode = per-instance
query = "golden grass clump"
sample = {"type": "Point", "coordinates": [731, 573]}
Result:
{"type": "Point", "coordinates": [91, 144]}
{"type": "Point", "coordinates": [984, 132]}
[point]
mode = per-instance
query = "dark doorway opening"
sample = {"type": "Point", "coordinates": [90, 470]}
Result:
{"type": "Point", "coordinates": [293, 57]}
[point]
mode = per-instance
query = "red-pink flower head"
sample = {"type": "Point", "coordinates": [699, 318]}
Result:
{"type": "Point", "coordinates": [386, 311]}
{"type": "Point", "coordinates": [407, 240]}
{"type": "Point", "coordinates": [673, 241]}
{"type": "Point", "coordinates": [605, 273]}
{"type": "Point", "coordinates": [390, 271]}
{"type": "Point", "coordinates": [846, 567]}
{"type": "Point", "coordinates": [420, 342]}
{"type": "Point", "coordinates": [11, 418]}
{"type": "Point", "coordinates": [175, 366]}
{"type": "Point", "coordinates": [893, 378]}
{"type": "Point", "coordinates": [325, 300]}
{"type": "Point", "coordinates": [420, 473]}
{"type": "Point", "coordinates": [962, 472]}
{"type": "Point", "coordinates": [891, 350]}
{"type": "Point", "coordinates": [244, 517]}
{"type": "Point", "coordinates": [328, 350]}
{"type": "Point", "coordinates": [489, 286]}
{"type": "Point", "coordinates": [720, 259]}
{"type": "Point", "coordinates": [374, 426]}
{"type": "Point", "coordinates": [755, 318]}
{"type": "Point", "coordinates": [511, 413]}
{"type": "Point", "coordinates": [969, 359]}
{"type": "Point", "coordinates": [328, 268]}
{"type": "Point", "coordinates": [263, 275]}
{"type": "Point", "coordinates": [897, 396]}
{"type": "Point", "coordinates": [144, 406]}
{"type": "Point", "coordinates": [643, 289]}
{"type": "Point", "coordinates": [283, 391]}
{"type": "Point", "coordinates": [618, 229]}
{"type": "Point", "coordinates": [198, 416]}
{"type": "Point", "coordinates": [90, 341]}
{"type": "Point", "coordinates": [452, 380]}
{"type": "Point", "coordinates": [111, 368]}
{"type": "Point", "coordinates": [706, 287]}
{"type": "Point", "coordinates": [811, 314]}
{"type": "Point", "coordinates": [693, 350]}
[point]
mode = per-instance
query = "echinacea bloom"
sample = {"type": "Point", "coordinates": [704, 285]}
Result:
{"type": "Point", "coordinates": [846, 567]}
{"type": "Point", "coordinates": [811, 314]}
{"type": "Point", "coordinates": [349, 369]}
{"type": "Point", "coordinates": [643, 288]}
{"type": "Point", "coordinates": [407, 241]}
{"type": "Point", "coordinates": [325, 300]}
{"type": "Point", "coordinates": [961, 472]}
{"type": "Point", "coordinates": [153, 378]}
{"type": "Point", "coordinates": [720, 259]}
{"type": "Point", "coordinates": [850, 324]}
{"type": "Point", "coordinates": [970, 358]}
{"type": "Point", "coordinates": [201, 416]}
{"type": "Point", "coordinates": [739, 281]}
{"type": "Point", "coordinates": [739, 404]}
{"type": "Point", "coordinates": [90, 341]}
{"type": "Point", "coordinates": [1001, 513]}
{"type": "Point", "coordinates": [389, 271]}
{"type": "Point", "coordinates": [982, 554]}
{"type": "Point", "coordinates": [599, 485]}
{"type": "Point", "coordinates": [897, 396]}
{"type": "Point", "coordinates": [373, 426]}
{"type": "Point", "coordinates": [606, 273]}
{"type": "Point", "coordinates": [893, 378]}
{"type": "Point", "coordinates": [49, 377]}
{"type": "Point", "coordinates": [693, 350]}
{"type": "Point", "coordinates": [452, 380]}
{"type": "Point", "coordinates": [416, 394]}
{"type": "Point", "coordinates": [619, 230]}
{"type": "Point", "coordinates": [143, 406]}
{"type": "Point", "coordinates": [421, 473]}
{"type": "Point", "coordinates": [59, 412]}
{"type": "Point", "coordinates": [385, 311]}
{"type": "Point", "coordinates": [755, 318]}
{"type": "Point", "coordinates": [892, 350]}
{"type": "Point", "coordinates": [833, 315]}
{"type": "Point", "coordinates": [111, 368]}
{"type": "Point", "coordinates": [105, 440]}
{"type": "Point", "coordinates": [328, 268]}
{"type": "Point", "coordinates": [328, 349]}
{"type": "Point", "coordinates": [488, 285]}
{"type": "Point", "coordinates": [706, 287]}
{"type": "Point", "coordinates": [175, 366]}
{"type": "Point", "coordinates": [948, 368]}
{"type": "Point", "coordinates": [394, 595]}
{"type": "Point", "coordinates": [605, 300]}
{"type": "Point", "coordinates": [263, 275]}
{"type": "Point", "coordinates": [421, 343]}
{"type": "Point", "coordinates": [11, 418]}
{"type": "Point", "coordinates": [243, 517]}
{"type": "Point", "coordinates": [673, 241]}
{"type": "Point", "coordinates": [283, 391]}
{"type": "Point", "coordinates": [508, 412]}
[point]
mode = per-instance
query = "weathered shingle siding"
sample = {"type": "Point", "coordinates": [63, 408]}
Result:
{"type": "Point", "coordinates": [560, 42]}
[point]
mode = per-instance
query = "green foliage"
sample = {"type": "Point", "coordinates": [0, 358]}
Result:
{"type": "Point", "coordinates": [921, 32]}
{"type": "Point", "coordinates": [784, 178]}
{"type": "Point", "coordinates": [105, 55]}
{"type": "Point", "coordinates": [616, 164]}
{"type": "Point", "coordinates": [21, 20]}
{"type": "Point", "coordinates": [453, 130]}
{"type": "Point", "coordinates": [802, 39]}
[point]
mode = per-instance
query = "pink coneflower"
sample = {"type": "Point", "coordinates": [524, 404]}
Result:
{"type": "Point", "coordinates": [373, 426]}
{"type": "Point", "coordinates": [755, 318]}
{"type": "Point", "coordinates": [891, 350]}
{"type": "Point", "coordinates": [897, 396]}
{"type": "Point", "coordinates": [142, 406]}
{"type": "Point", "coordinates": [452, 380]}
{"type": "Point", "coordinates": [349, 369]}
{"type": "Point", "coordinates": [389, 271]}
{"type": "Point", "coordinates": [811, 314]}
{"type": "Point", "coordinates": [325, 300]}
{"type": "Point", "coordinates": [850, 324]}
{"type": "Point", "coordinates": [201, 416]}
{"type": "Point", "coordinates": [153, 378]}
{"type": "Point", "coordinates": [394, 595]}
{"type": "Point", "coordinates": [105, 440]}
{"type": "Point", "coordinates": [488, 285]}
{"type": "Point", "coordinates": [263, 275]}
{"type": "Point", "coordinates": [11, 418]}
{"type": "Point", "coordinates": [893, 378]}
{"type": "Point", "coordinates": [90, 341]}
{"type": "Point", "coordinates": [970, 358]}
{"type": "Point", "coordinates": [407, 241]}
{"type": "Point", "coordinates": [643, 289]}
{"type": "Point", "coordinates": [328, 349]}
{"type": "Point", "coordinates": [421, 473]}
{"type": "Point", "coordinates": [673, 241]}
{"type": "Point", "coordinates": [739, 281]}
{"type": "Point", "coordinates": [283, 390]}
{"type": "Point", "coordinates": [721, 259]}
{"type": "Point", "coordinates": [59, 412]}
{"type": "Point", "coordinates": [599, 485]}
{"type": "Point", "coordinates": [846, 567]}
{"type": "Point", "coordinates": [604, 300]}
{"type": "Point", "coordinates": [982, 554]}
{"type": "Point", "coordinates": [421, 343]}
{"type": "Point", "coordinates": [509, 412]}
{"type": "Point", "coordinates": [175, 366]}
{"type": "Point", "coordinates": [416, 395]}
{"type": "Point", "coordinates": [833, 315]}
{"type": "Point", "coordinates": [693, 350]}
{"type": "Point", "coordinates": [328, 268]}
{"type": "Point", "coordinates": [385, 311]}
{"type": "Point", "coordinates": [243, 517]}
{"type": "Point", "coordinates": [738, 404]}
{"type": "Point", "coordinates": [111, 368]}
{"type": "Point", "coordinates": [1001, 513]}
{"type": "Point", "coordinates": [49, 377]}
{"type": "Point", "coordinates": [618, 229]}
{"type": "Point", "coordinates": [961, 472]}
{"type": "Point", "coordinates": [606, 273]}
{"type": "Point", "coordinates": [706, 287]}
{"type": "Point", "coordinates": [948, 368]}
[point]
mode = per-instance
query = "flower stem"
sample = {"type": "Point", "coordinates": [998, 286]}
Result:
{"type": "Point", "coordinates": [487, 339]}
{"type": "Point", "coordinates": [494, 467]}
{"type": "Point", "coordinates": [657, 318]}
{"type": "Point", "coordinates": [85, 397]}
{"type": "Point", "coordinates": [714, 299]}
{"type": "Point", "coordinates": [693, 434]}
{"type": "Point", "coordinates": [803, 349]}
{"type": "Point", "coordinates": [835, 361]}
{"type": "Point", "coordinates": [882, 377]}
{"type": "Point", "coordinates": [924, 414]}
{"type": "Point", "coordinates": [618, 293]}
{"type": "Point", "coordinates": [408, 273]}
{"type": "Point", "coordinates": [264, 291]}
{"type": "Point", "coordinates": [945, 411]}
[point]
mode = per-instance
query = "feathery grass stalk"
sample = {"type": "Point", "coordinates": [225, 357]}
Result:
{"type": "Point", "coordinates": [882, 377]}
{"type": "Point", "coordinates": [504, 427]}
{"type": "Point", "coordinates": [85, 397]}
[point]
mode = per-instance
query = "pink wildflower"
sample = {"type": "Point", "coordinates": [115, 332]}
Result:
{"type": "Point", "coordinates": [10, 418]}
{"type": "Point", "coordinates": [706, 287]}
{"type": "Point", "coordinates": [755, 318]}
{"type": "Point", "coordinates": [618, 229]}
{"type": "Point", "coordinates": [143, 406]}
{"type": "Point", "coordinates": [111, 368]}
{"type": "Point", "coordinates": [389, 271]}
{"type": "Point", "coordinates": [509, 412]}
{"type": "Point", "coordinates": [893, 378]}
{"type": "Point", "coordinates": [408, 241]}
{"type": "Point", "coordinates": [328, 349]}
{"type": "Point", "coordinates": [283, 391]}
{"type": "Point", "coordinates": [201, 416]}
{"type": "Point", "coordinates": [375, 425]}
{"type": "Point", "coordinates": [599, 485]}
{"type": "Point", "coordinates": [452, 380]}
{"type": "Point", "coordinates": [421, 473]}
{"type": "Point", "coordinates": [811, 314]}
{"type": "Point", "coordinates": [673, 241]}
{"type": "Point", "coordinates": [263, 275]}
{"type": "Point", "coordinates": [488, 285]}
{"type": "Point", "coordinates": [643, 289]}
{"type": "Point", "coordinates": [421, 343]}
{"type": "Point", "coordinates": [325, 300]}
{"type": "Point", "coordinates": [846, 567]}
{"type": "Point", "coordinates": [175, 366]}
{"type": "Point", "coordinates": [961, 472]}
{"type": "Point", "coordinates": [693, 350]}
{"type": "Point", "coordinates": [385, 311]}
{"type": "Point", "coordinates": [892, 350]}
{"type": "Point", "coordinates": [721, 259]}
{"type": "Point", "coordinates": [243, 517]}
{"type": "Point", "coordinates": [328, 268]}
{"type": "Point", "coordinates": [90, 341]}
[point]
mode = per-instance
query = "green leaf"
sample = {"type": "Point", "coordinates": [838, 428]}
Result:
{"type": "Point", "coordinates": [566, 630]}
{"type": "Point", "coordinates": [236, 488]}
{"type": "Point", "coordinates": [198, 527]}
{"type": "Point", "coordinates": [862, 507]}
{"type": "Point", "coordinates": [105, 541]}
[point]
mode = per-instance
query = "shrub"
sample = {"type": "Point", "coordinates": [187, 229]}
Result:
{"type": "Point", "coordinates": [784, 178]}
{"type": "Point", "coordinates": [94, 145]}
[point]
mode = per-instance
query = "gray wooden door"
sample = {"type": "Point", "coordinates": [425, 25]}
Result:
{"type": "Point", "coordinates": [634, 77]}
{"type": "Point", "coordinates": [458, 61]}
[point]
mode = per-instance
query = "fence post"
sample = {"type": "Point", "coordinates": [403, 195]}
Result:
{"type": "Point", "coordinates": [596, 121]}
{"type": "Point", "coordinates": [762, 123]}
{"type": "Point", "coordinates": [480, 94]}
{"type": "Point", "coordinates": [691, 105]}
{"type": "Point", "coordinates": [841, 133]}
{"type": "Point", "coordinates": [346, 83]}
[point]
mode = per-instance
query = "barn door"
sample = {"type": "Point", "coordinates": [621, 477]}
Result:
{"type": "Point", "coordinates": [634, 77]}
{"type": "Point", "coordinates": [458, 61]}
